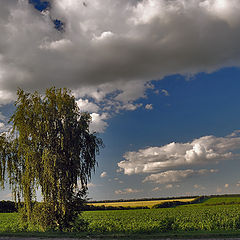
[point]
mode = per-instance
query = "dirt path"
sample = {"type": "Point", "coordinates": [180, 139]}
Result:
{"type": "Point", "coordinates": [43, 238]}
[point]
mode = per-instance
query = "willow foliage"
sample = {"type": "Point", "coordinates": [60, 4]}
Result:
{"type": "Point", "coordinates": [49, 148]}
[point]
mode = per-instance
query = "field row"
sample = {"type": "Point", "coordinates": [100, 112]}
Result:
{"type": "Point", "coordinates": [163, 220]}
{"type": "Point", "coordinates": [189, 218]}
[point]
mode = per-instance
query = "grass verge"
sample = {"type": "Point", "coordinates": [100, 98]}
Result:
{"type": "Point", "coordinates": [86, 235]}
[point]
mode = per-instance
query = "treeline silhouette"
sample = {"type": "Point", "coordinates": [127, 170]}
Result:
{"type": "Point", "coordinates": [164, 198]}
{"type": "Point", "coordinates": [7, 207]}
{"type": "Point", "coordinates": [102, 207]}
{"type": "Point", "coordinates": [142, 199]}
{"type": "Point", "coordinates": [178, 203]}
{"type": "Point", "coordinates": [10, 206]}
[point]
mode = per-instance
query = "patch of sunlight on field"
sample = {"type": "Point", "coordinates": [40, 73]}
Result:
{"type": "Point", "coordinates": [139, 203]}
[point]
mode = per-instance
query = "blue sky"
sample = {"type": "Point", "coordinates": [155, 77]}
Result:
{"type": "Point", "coordinates": [204, 105]}
{"type": "Point", "coordinates": [160, 79]}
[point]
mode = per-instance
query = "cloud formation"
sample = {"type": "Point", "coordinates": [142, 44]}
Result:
{"type": "Point", "coordinates": [204, 150]}
{"type": "Point", "coordinates": [149, 106]}
{"type": "Point", "coordinates": [1, 126]}
{"type": "Point", "coordinates": [86, 106]}
{"type": "Point", "coordinates": [127, 191]}
{"type": "Point", "coordinates": [173, 176]}
{"type": "Point", "coordinates": [112, 48]}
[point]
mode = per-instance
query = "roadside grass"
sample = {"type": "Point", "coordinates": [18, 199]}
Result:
{"type": "Point", "coordinates": [86, 235]}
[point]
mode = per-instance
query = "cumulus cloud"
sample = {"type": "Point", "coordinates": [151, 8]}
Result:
{"type": "Point", "coordinates": [98, 124]}
{"type": "Point", "coordinates": [197, 186]}
{"type": "Point", "coordinates": [86, 106]}
{"type": "Point", "coordinates": [149, 107]}
{"type": "Point", "coordinates": [204, 150]}
{"type": "Point", "coordinates": [2, 125]}
{"type": "Point", "coordinates": [98, 121]}
{"type": "Point", "coordinates": [120, 45]}
{"type": "Point", "coordinates": [127, 191]}
{"type": "Point", "coordinates": [129, 106]}
{"type": "Point", "coordinates": [175, 175]}
{"type": "Point", "coordinates": [156, 189]}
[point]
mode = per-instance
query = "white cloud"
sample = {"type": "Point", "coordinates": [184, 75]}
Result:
{"type": "Point", "coordinates": [2, 125]}
{"type": "Point", "coordinates": [204, 150]}
{"type": "Point", "coordinates": [129, 106]}
{"type": "Point", "coordinates": [86, 106]}
{"type": "Point", "coordinates": [169, 186]}
{"type": "Point", "coordinates": [103, 174]}
{"type": "Point", "coordinates": [156, 189]}
{"type": "Point", "coordinates": [197, 186]}
{"type": "Point", "coordinates": [98, 124]}
{"type": "Point", "coordinates": [104, 36]}
{"type": "Point", "coordinates": [127, 191]}
{"type": "Point", "coordinates": [117, 44]}
{"type": "Point", "coordinates": [149, 107]}
{"type": "Point", "coordinates": [172, 176]}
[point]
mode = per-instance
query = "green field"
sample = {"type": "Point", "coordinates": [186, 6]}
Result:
{"type": "Point", "coordinates": [222, 200]}
{"type": "Point", "coordinates": [209, 218]}
{"type": "Point", "coordinates": [188, 218]}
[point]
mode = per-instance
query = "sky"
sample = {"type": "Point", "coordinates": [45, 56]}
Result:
{"type": "Point", "coordinates": [160, 79]}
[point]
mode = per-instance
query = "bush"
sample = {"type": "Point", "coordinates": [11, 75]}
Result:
{"type": "Point", "coordinates": [199, 199]}
{"type": "Point", "coordinates": [80, 224]}
{"type": "Point", "coordinates": [43, 216]}
{"type": "Point", "coordinates": [168, 204]}
{"type": "Point", "coordinates": [7, 207]}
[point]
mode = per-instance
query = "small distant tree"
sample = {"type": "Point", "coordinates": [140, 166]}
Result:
{"type": "Point", "coordinates": [49, 148]}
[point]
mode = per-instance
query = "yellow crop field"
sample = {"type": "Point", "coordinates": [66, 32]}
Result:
{"type": "Point", "coordinates": [139, 203]}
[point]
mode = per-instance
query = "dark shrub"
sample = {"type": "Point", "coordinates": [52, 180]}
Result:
{"type": "Point", "coordinates": [43, 215]}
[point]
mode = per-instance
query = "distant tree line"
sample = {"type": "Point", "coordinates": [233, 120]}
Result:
{"type": "Point", "coordinates": [103, 207]}
{"type": "Point", "coordinates": [164, 198]}
{"type": "Point", "coordinates": [7, 207]}
{"type": "Point", "coordinates": [10, 206]}
{"type": "Point", "coordinates": [142, 199]}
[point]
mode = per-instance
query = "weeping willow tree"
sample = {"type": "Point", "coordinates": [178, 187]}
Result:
{"type": "Point", "coordinates": [49, 148]}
